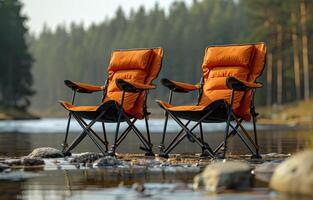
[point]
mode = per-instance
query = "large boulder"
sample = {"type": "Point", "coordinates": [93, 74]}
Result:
{"type": "Point", "coordinates": [107, 161]}
{"type": "Point", "coordinates": [222, 175]}
{"type": "Point", "coordinates": [295, 175]}
{"type": "Point", "coordinates": [46, 152]}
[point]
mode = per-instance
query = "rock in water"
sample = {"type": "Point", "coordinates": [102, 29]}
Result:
{"type": "Point", "coordinates": [3, 167]}
{"type": "Point", "coordinates": [46, 152]}
{"type": "Point", "coordinates": [29, 161]}
{"type": "Point", "coordinates": [87, 157]}
{"type": "Point", "coordinates": [295, 175]}
{"type": "Point", "coordinates": [265, 170]}
{"type": "Point", "coordinates": [224, 175]}
{"type": "Point", "coordinates": [139, 187]}
{"type": "Point", "coordinates": [12, 162]}
{"type": "Point", "coordinates": [107, 161]}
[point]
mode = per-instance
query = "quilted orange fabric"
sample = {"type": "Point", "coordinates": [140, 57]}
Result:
{"type": "Point", "coordinates": [244, 62]}
{"type": "Point", "coordinates": [128, 60]}
{"type": "Point", "coordinates": [137, 67]}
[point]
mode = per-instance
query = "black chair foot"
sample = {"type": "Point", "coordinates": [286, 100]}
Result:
{"type": "Point", "coordinates": [111, 153]}
{"type": "Point", "coordinates": [206, 154]}
{"type": "Point", "coordinates": [163, 155]}
{"type": "Point", "coordinates": [66, 153]}
{"type": "Point", "coordinates": [256, 156]}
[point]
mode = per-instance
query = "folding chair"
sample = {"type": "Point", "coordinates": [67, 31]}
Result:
{"type": "Point", "coordinates": [130, 76]}
{"type": "Point", "coordinates": [226, 93]}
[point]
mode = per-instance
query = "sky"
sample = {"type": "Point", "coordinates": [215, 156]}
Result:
{"type": "Point", "coordinates": [54, 12]}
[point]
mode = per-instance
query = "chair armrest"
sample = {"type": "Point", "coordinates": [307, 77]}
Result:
{"type": "Point", "coordinates": [83, 87]}
{"type": "Point", "coordinates": [238, 85]}
{"type": "Point", "coordinates": [176, 86]}
{"type": "Point", "coordinates": [132, 87]}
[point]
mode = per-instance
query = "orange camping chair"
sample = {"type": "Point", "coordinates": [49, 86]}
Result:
{"type": "Point", "coordinates": [226, 93]}
{"type": "Point", "coordinates": [130, 76]}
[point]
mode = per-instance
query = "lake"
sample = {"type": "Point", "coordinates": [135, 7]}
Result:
{"type": "Point", "coordinates": [19, 138]}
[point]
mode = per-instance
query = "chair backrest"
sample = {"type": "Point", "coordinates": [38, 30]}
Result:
{"type": "Point", "coordinates": [245, 62]}
{"type": "Point", "coordinates": [133, 65]}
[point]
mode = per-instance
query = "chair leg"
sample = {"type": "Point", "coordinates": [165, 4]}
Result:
{"type": "Point", "coordinates": [105, 136]}
{"type": "Point", "coordinates": [65, 144]}
{"type": "Point", "coordinates": [75, 143]}
{"type": "Point", "coordinates": [257, 155]}
{"type": "Point", "coordinates": [162, 146]}
{"type": "Point", "coordinates": [122, 136]}
{"type": "Point", "coordinates": [232, 133]}
{"type": "Point", "coordinates": [225, 136]}
{"type": "Point", "coordinates": [104, 142]}
{"type": "Point", "coordinates": [113, 147]}
{"type": "Point", "coordinates": [163, 153]}
{"type": "Point", "coordinates": [148, 147]}
{"type": "Point", "coordinates": [202, 139]}
{"type": "Point", "coordinates": [189, 132]}
{"type": "Point", "coordinates": [150, 153]}
{"type": "Point", "coordinates": [229, 114]}
{"type": "Point", "coordinates": [87, 129]}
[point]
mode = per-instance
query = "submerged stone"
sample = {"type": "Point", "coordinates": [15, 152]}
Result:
{"type": "Point", "coordinates": [88, 157]}
{"type": "Point", "coordinates": [46, 152]}
{"type": "Point", "coordinates": [29, 161]}
{"type": "Point", "coordinates": [107, 161]}
{"type": "Point", "coordinates": [25, 161]}
{"type": "Point", "coordinates": [12, 162]}
{"type": "Point", "coordinates": [265, 170]}
{"type": "Point", "coordinates": [224, 175]}
{"type": "Point", "coordinates": [139, 187]}
{"type": "Point", "coordinates": [295, 175]}
{"type": "Point", "coordinates": [3, 167]}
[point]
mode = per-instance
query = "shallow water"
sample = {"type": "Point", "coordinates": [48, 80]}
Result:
{"type": "Point", "coordinates": [18, 138]}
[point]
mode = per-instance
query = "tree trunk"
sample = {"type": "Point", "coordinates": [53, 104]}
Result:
{"type": "Point", "coordinates": [296, 63]}
{"type": "Point", "coordinates": [305, 56]}
{"type": "Point", "coordinates": [269, 78]}
{"type": "Point", "coordinates": [279, 65]}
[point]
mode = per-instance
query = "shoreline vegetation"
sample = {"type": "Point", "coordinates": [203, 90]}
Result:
{"type": "Point", "coordinates": [295, 114]}
{"type": "Point", "coordinates": [16, 114]}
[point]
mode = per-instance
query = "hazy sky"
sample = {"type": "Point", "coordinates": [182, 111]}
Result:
{"type": "Point", "coordinates": [54, 12]}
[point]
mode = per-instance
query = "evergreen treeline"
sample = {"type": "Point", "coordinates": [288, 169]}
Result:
{"type": "Point", "coordinates": [83, 55]}
{"type": "Point", "coordinates": [15, 61]}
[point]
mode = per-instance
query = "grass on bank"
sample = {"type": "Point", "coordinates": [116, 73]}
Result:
{"type": "Point", "coordinates": [300, 113]}
{"type": "Point", "coordinates": [10, 113]}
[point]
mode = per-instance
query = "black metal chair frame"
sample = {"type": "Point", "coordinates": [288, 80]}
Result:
{"type": "Point", "coordinates": [234, 85]}
{"type": "Point", "coordinates": [122, 117]}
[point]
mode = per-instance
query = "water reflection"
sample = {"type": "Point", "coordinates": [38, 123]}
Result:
{"type": "Point", "coordinates": [279, 141]}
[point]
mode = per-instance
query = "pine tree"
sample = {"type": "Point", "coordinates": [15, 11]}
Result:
{"type": "Point", "coordinates": [15, 60]}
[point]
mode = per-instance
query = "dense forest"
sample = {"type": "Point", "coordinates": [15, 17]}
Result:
{"type": "Point", "coordinates": [82, 54]}
{"type": "Point", "coordinates": [15, 59]}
